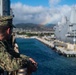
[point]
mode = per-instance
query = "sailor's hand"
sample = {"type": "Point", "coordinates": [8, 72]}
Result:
{"type": "Point", "coordinates": [33, 61]}
{"type": "Point", "coordinates": [32, 65]}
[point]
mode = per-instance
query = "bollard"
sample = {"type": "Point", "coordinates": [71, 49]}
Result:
{"type": "Point", "coordinates": [67, 55]}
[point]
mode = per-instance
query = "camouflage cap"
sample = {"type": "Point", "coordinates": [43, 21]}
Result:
{"type": "Point", "coordinates": [6, 21]}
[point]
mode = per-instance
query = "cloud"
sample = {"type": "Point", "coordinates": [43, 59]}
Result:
{"type": "Point", "coordinates": [58, 12]}
{"type": "Point", "coordinates": [53, 2]}
{"type": "Point", "coordinates": [25, 13]}
{"type": "Point", "coordinates": [38, 14]}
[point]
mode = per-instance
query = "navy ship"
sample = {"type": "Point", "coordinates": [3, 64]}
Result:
{"type": "Point", "coordinates": [5, 9]}
{"type": "Point", "coordinates": [66, 29]}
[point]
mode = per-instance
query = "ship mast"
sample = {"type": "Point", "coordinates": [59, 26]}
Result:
{"type": "Point", "coordinates": [73, 15]}
{"type": "Point", "coordinates": [4, 7]}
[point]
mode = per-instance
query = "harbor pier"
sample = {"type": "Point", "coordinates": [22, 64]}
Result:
{"type": "Point", "coordinates": [62, 49]}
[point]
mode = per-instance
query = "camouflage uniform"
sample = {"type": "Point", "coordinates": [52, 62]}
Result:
{"type": "Point", "coordinates": [9, 59]}
{"type": "Point", "coordinates": [6, 21]}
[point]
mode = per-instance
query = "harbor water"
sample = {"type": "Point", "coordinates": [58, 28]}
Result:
{"type": "Point", "coordinates": [49, 62]}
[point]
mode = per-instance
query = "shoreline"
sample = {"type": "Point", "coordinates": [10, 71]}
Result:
{"type": "Point", "coordinates": [59, 49]}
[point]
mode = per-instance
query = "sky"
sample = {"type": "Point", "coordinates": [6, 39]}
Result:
{"type": "Point", "coordinates": [41, 11]}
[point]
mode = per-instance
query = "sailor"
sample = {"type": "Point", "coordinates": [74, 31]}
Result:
{"type": "Point", "coordinates": [9, 59]}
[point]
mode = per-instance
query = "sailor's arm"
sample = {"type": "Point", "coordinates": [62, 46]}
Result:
{"type": "Point", "coordinates": [9, 63]}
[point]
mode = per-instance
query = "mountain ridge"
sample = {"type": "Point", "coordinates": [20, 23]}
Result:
{"type": "Point", "coordinates": [32, 26]}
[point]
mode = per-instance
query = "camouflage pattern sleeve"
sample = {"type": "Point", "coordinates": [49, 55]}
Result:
{"type": "Point", "coordinates": [10, 63]}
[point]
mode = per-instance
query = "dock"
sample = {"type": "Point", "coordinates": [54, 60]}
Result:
{"type": "Point", "coordinates": [50, 44]}
{"type": "Point", "coordinates": [61, 50]}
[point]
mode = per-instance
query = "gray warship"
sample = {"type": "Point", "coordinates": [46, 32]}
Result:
{"type": "Point", "coordinates": [66, 29]}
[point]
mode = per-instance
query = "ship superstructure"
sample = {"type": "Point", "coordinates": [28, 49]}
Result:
{"type": "Point", "coordinates": [4, 7]}
{"type": "Point", "coordinates": [66, 29]}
